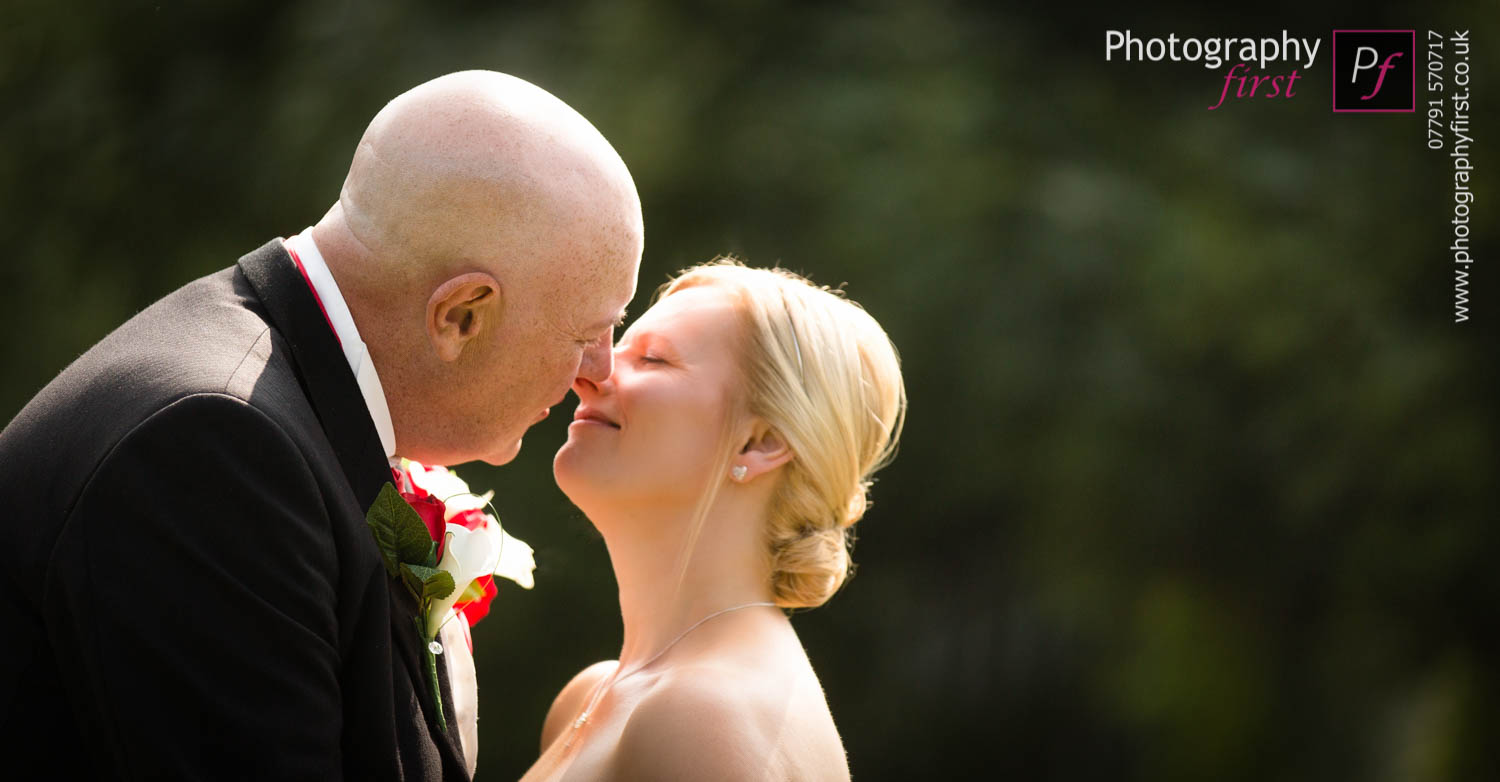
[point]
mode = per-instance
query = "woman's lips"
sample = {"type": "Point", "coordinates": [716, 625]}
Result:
{"type": "Point", "coordinates": [586, 416]}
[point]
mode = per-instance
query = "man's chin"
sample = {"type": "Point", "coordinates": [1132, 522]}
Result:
{"type": "Point", "coordinates": [505, 455]}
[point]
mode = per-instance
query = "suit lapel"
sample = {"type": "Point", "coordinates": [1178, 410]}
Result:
{"type": "Point", "coordinates": [336, 399]}
{"type": "Point", "coordinates": [320, 362]}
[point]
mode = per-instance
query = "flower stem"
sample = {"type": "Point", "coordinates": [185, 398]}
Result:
{"type": "Point", "coordinates": [437, 694]}
{"type": "Point", "coordinates": [432, 678]}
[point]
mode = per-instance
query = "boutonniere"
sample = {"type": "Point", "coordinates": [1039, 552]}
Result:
{"type": "Point", "coordinates": [438, 538]}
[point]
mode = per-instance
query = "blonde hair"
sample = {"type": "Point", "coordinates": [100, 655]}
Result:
{"type": "Point", "coordinates": [824, 375]}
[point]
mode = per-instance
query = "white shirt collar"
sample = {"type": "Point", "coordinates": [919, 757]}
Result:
{"type": "Point", "coordinates": [343, 325]}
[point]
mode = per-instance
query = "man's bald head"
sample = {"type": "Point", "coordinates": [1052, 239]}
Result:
{"type": "Point", "coordinates": [477, 165]}
{"type": "Point", "coordinates": [485, 232]}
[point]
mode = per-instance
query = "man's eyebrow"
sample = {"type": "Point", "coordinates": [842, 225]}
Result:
{"type": "Point", "coordinates": [617, 322]}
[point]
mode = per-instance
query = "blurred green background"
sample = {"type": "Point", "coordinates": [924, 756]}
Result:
{"type": "Point", "coordinates": [1199, 475]}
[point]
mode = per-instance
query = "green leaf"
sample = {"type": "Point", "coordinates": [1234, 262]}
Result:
{"type": "Point", "coordinates": [439, 586]}
{"type": "Point", "coordinates": [399, 530]}
{"type": "Point", "coordinates": [412, 580]}
{"type": "Point", "coordinates": [427, 583]}
{"type": "Point", "coordinates": [382, 520]}
{"type": "Point", "coordinates": [413, 543]}
{"type": "Point", "coordinates": [420, 572]}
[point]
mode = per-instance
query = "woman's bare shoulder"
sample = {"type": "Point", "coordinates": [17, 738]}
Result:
{"type": "Point", "coordinates": [573, 698]}
{"type": "Point", "coordinates": [732, 723]}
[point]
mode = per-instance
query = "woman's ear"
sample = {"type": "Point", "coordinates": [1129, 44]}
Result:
{"type": "Point", "coordinates": [459, 310]}
{"type": "Point", "coordinates": [763, 451]}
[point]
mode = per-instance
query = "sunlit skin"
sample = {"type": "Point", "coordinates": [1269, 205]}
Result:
{"type": "Point", "coordinates": [645, 444]}
{"type": "Point", "coordinates": [487, 240]}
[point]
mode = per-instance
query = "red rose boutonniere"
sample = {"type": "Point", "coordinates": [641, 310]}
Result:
{"type": "Point", "coordinates": [437, 537]}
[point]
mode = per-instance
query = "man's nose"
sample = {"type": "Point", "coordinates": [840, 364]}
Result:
{"type": "Point", "coordinates": [598, 359]}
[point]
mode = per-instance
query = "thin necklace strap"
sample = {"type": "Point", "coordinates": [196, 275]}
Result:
{"type": "Point", "coordinates": [691, 628]}
{"type": "Point", "coordinates": [606, 683]}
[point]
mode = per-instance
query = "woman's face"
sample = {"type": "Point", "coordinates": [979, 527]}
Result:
{"type": "Point", "coordinates": [650, 434]}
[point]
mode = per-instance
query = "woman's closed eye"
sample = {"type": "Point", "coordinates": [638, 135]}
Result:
{"type": "Point", "coordinates": [644, 349]}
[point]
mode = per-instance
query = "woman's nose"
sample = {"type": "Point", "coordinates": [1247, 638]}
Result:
{"type": "Point", "coordinates": [585, 388]}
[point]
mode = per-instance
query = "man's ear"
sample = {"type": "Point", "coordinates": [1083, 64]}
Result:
{"type": "Point", "coordinates": [761, 452]}
{"type": "Point", "coordinates": [459, 310]}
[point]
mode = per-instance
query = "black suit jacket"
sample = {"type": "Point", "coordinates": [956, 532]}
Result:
{"type": "Point", "coordinates": [189, 588]}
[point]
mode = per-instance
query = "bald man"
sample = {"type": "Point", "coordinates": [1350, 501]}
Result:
{"type": "Point", "coordinates": [191, 590]}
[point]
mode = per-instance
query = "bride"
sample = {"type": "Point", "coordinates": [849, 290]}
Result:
{"type": "Point", "coordinates": [723, 461]}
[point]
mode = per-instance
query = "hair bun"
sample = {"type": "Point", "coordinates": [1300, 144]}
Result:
{"type": "Point", "coordinates": [809, 566]}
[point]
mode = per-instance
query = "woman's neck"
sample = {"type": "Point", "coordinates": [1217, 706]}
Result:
{"type": "Point", "coordinates": [670, 579]}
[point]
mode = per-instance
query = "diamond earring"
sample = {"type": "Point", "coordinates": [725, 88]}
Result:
{"type": "Point", "coordinates": [738, 471]}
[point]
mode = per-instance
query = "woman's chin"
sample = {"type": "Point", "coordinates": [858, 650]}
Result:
{"type": "Point", "coordinates": [567, 453]}
{"type": "Point", "coordinates": [570, 469]}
